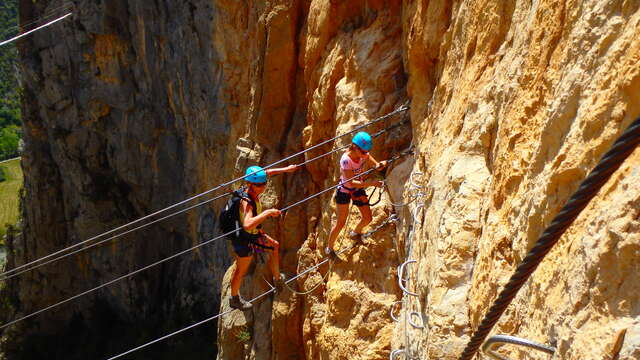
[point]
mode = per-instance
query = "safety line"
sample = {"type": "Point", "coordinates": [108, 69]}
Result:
{"type": "Point", "coordinates": [116, 280]}
{"type": "Point", "coordinates": [187, 250]}
{"type": "Point", "coordinates": [377, 134]}
{"type": "Point", "coordinates": [48, 14]}
{"type": "Point", "coordinates": [21, 269]}
{"type": "Point", "coordinates": [609, 163]}
{"type": "Point", "coordinates": [4, 276]}
{"type": "Point", "coordinates": [4, 161]}
{"type": "Point", "coordinates": [189, 327]}
{"type": "Point", "coordinates": [390, 219]}
{"type": "Point", "coordinates": [36, 29]}
{"type": "Point", "coordinates": [322, 279]}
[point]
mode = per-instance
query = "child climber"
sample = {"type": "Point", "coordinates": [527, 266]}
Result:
{"type": "Point", "coordinates": [251, 218]}
{"type": "Point", "coordinates": [352, 163]}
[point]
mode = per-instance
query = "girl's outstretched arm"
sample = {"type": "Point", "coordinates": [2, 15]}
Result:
{"type": "Point", "coordinates": [286, 169]}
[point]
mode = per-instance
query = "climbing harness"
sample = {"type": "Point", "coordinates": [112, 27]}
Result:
{"type": "Point", "coordinates": [379, 190]}
{"type": "Point", "coordinates": [404, 153]}
{"type": "Point", "coordinates": [59, 254]}
{"type": "Point", "coordinates": [506, 339]}
{"type": "Point", "coordinates": [609, 163]}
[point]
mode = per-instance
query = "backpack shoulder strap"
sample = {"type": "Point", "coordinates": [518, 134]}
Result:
{"type": "Point", "coordinates": [242, 194]}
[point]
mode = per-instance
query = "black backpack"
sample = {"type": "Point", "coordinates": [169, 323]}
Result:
{"type": "Point", "coordinates": [229, 219]}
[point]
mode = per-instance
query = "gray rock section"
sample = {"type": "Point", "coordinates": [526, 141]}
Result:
{"type": "Point", "coordinates": [121, 114]}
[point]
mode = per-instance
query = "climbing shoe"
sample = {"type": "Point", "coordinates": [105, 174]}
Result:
{"type": "Point", "coordinates": [236, 302]}
{"type": "Point", "coordinates": [332, 254]}
{"type": "Point", "coordinates": [278, 283]}
{"type": "Point", "coordinates": [357, 237]}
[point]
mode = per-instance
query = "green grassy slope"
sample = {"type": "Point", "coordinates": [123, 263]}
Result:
{"type": "Point", "coordinates": [9, 194]}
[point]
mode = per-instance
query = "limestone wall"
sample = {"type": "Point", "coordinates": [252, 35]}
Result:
{"type": "Point", "coordinates": [512, 103]}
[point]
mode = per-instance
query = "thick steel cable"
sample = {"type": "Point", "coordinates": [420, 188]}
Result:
{"type": "Point", "coordinates": [184, 251]}
{"type": "Point", "coordinates": [609, 163]}
{"type": "Point", "coordinates": [36, 29]}
{"type": "Point", "coordinates": [4, 275]}
{"type": "Point", "coordinates": [326, 259]}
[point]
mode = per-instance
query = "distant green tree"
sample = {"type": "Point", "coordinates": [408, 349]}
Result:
{"type": "Point", "coordinates": [10, 114]}
{"type": "Point", "coordinates": [9, 140]}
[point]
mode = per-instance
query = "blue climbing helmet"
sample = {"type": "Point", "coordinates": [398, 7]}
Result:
{"type": "Point", "coordinates": [255, 174]}
{"type": "Point", "coordinates": [363, 141]}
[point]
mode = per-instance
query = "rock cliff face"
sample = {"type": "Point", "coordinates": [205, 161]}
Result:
{"type": "Point", "coordinates": [513, 104]}
{"type": "Point", "coordinates": [133, 106]}
{"type": "Point", "coordinates": [128, 108]}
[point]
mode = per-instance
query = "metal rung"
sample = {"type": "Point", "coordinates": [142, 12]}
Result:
{"type": "Point", "coordinates": [419, 315]}
{"type": "Point", "coordinates": [401, 277]}
{"type": "Point", "coordinates": [414, 212]}
{"type": "Point", "coordinates": [506, 339]}
{"type": "Point", "coordinates": [412, 182]}
{"type": "Point", "coordinates": [393, 354]}
{"type": "Point", "coordinates": [391, 311]}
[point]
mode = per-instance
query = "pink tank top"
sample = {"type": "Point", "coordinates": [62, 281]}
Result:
{"type": "Point", "coordinates": [347, 163]}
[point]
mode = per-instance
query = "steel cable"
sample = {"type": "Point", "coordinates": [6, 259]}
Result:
{"type": "Point", "coordinates": [323, 278]}
{"type": "Point", "coordinates": [33, 30]}
{"type": "Point", "coordinates": [47, 14]}
{"type": "Point", "coordinates": [62, 252]}
{"type": "Point", "coordinates": [609, 163]}
{"type": "Point", "coordinates": [369, 233]}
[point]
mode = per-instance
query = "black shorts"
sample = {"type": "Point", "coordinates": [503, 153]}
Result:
{"type": "Point", "coordinates": [345, 198]}
{"type": "Point", "coordinates": [242, 244]}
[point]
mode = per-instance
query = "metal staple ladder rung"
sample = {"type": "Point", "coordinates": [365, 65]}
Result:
{"type": "Point", "coordinates": [401, 279]}
{"type": "Point", "coordinates": [506, 339]}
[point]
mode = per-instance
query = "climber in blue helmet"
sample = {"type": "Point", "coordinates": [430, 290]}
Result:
{"type": "Point", "coordinates": [253, 238]}
{"type": "Point", "coordinates": [352, 163]}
